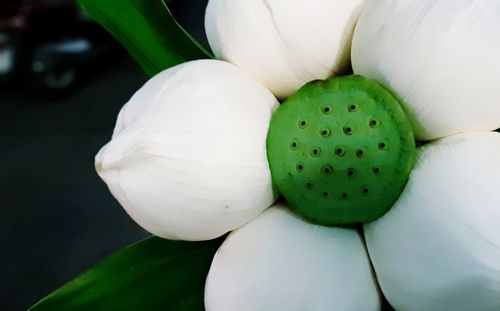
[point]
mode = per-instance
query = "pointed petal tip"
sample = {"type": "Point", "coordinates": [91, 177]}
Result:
{"type": "Point", "coordinates": [190, 143]}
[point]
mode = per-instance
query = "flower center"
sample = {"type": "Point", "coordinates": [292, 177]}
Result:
{"type": "Point", "coordinates": [341, 150]}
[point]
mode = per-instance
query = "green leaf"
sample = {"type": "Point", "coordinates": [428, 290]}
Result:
{"type": "Point", "coordinates": [152, 274]}
{"type": "Point", "coordinates": [148, 30]}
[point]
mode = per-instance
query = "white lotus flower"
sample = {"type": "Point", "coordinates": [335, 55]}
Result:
{"type": "Point", "coordinates": [188, 157]}
{"type": "Point", "coordinates": [439, 56]}
{"type": "Point", "coordinates": [284, 43]}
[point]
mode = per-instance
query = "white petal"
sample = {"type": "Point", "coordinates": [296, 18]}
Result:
{"type": "Point", "coordinates": [188, 155]}
{"type": "Point", "coordinates": [440, 56]}
{"type": "Point", "coordinates": [283, 43]}
{"type": "Point", "coordinates": [438, 248]}
{"type": "Point", "coordinates": [280, 262]}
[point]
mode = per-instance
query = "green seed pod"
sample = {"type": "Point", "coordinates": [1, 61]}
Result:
{"type": "Point", "coordinates": [341, 150]}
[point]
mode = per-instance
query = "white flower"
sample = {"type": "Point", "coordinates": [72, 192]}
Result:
{"type": "Point", "coordinates": [188, 156]}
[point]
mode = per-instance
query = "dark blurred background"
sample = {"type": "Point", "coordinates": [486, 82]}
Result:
{"type": "Point", "coordinates": [62, 82]}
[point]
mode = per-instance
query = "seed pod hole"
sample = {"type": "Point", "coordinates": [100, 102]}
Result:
{"type": "Point", "coordinates": [303, 124]}
{"type": "Point", "coordinates": [326, 170]}
{"type": "Point", "coordinates": [351, 172]}
{"type": "Point", "coordinates": [326, 194]}
{"type": "Point", "coordinates": [325, 132]}
{"type": "Point", "coordinates": [315, 152]}
{"type": "Point", "coordinates": [382, 145]}
{"type": "Point", "coordinates": [374, 123]}
{"type": "Point", "coordinates": [299, 167]}
{"type": "Point", "coordinates": [340, 151]}
{"type": "Point", "coordinates": [294, 144]}
{"type": "Point", "coordinates": [360, 153]}
{"type": "Point", "coordinates": [352, 108]}
{"type": "Point", "coordinates": [326, 109]}
{"type": "Point", "coordinates": [344, 196]}
{"type": "Point", "coordinates": [365, 190]}
{"type": "Point", "coordinates": [376, 170]}
{"type": "Point", "coordinates": [309, 185]}
{"type": "Point", "coordinates": [348, 130]}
